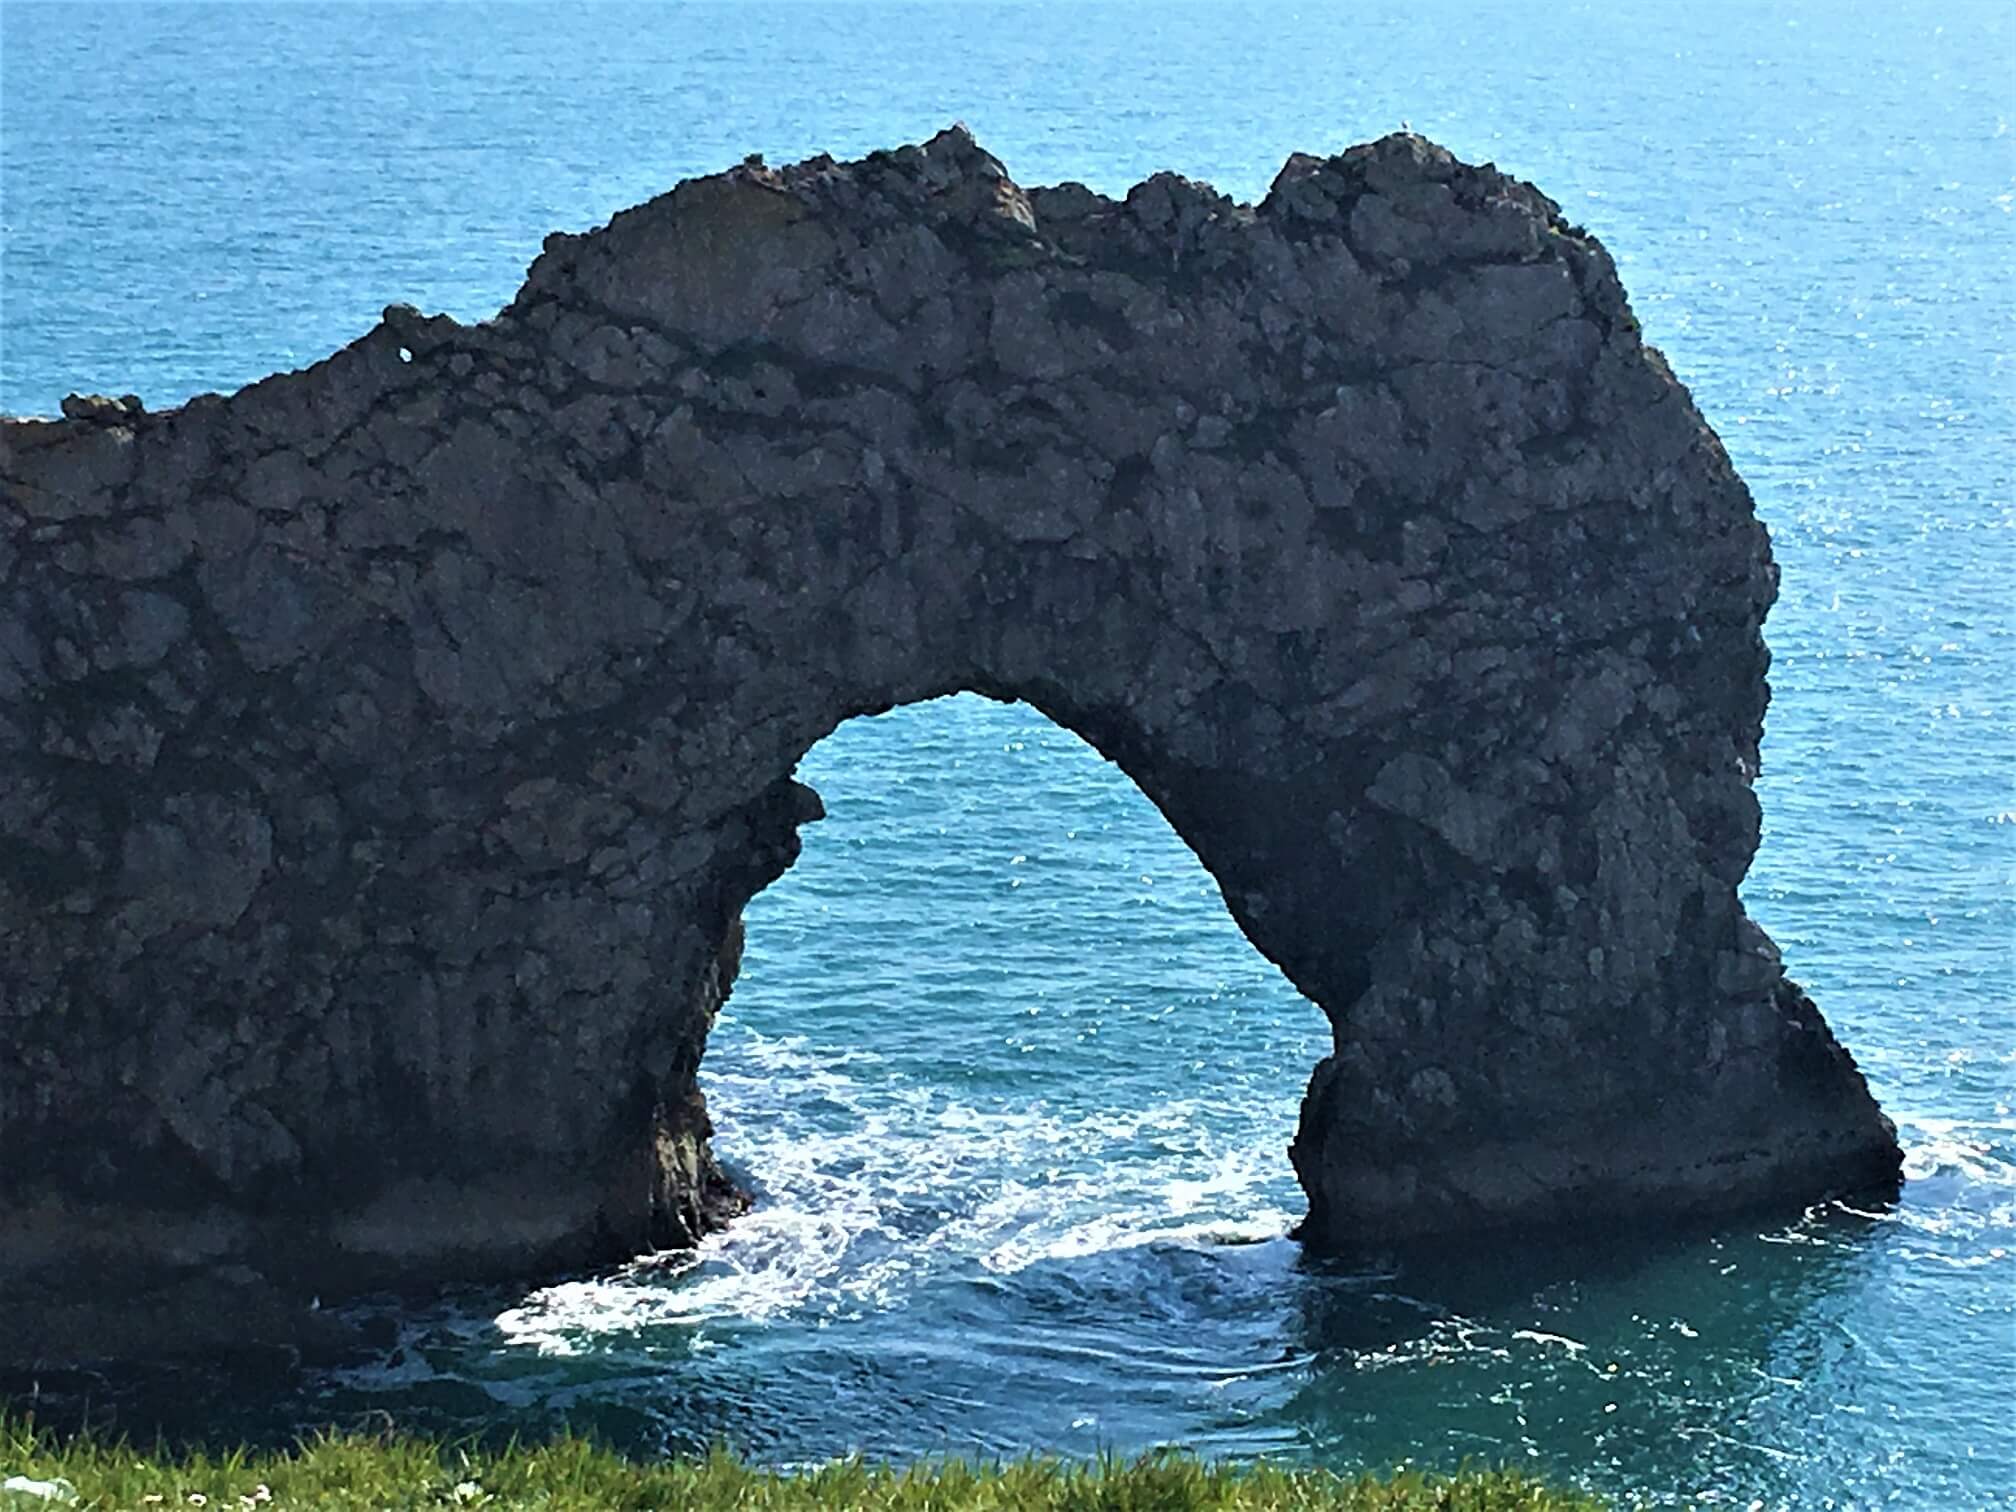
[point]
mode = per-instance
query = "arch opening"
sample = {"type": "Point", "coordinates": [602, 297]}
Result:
{"type": "Point", "coordinates": [998, 1007]}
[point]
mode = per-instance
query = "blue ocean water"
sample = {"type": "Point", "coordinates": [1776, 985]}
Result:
{"type": "Point", "coordinates": [1014, 1091]}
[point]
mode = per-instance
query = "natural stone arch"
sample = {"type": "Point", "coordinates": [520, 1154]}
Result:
{"type": "Point", "coordinates": [389, 748]}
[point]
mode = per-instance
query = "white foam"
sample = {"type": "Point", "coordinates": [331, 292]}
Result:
{"type": "Point", "coordinates": [868, 1187]}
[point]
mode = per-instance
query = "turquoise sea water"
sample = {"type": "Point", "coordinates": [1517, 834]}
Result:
{"type": "Point", "coordinates": [1012, 1088]}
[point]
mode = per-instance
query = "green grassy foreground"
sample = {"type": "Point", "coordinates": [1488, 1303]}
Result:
{"type": "Point", "coordinates": [396, 1472]}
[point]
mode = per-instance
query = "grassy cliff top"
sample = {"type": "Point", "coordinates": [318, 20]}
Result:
{"type": "Point", "coordinates": [40, 1470]}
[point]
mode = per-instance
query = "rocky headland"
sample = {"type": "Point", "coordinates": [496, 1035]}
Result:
{"type": "Point", "coordinates": [387, 750]}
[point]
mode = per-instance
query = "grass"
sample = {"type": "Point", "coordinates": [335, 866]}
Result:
{"type": "Point", "coordinates": [394, 1471]}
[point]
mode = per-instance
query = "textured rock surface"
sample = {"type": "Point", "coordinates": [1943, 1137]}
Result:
{"type": "Point", "coordinates": [387, 751]}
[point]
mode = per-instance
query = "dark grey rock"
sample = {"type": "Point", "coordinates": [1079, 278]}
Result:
{"type": "Point", "coordinates": [387, 750]}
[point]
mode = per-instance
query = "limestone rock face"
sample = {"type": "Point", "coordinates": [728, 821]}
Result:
{"type": "Point", "coordinates": [387, 751]}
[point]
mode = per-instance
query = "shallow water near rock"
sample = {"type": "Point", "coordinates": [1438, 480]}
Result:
{"type": "Point", "coordinates": [1012, 1090]}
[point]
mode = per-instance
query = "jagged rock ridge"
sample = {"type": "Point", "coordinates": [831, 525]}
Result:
{"type": "Point", "coordinates": [387, 750]}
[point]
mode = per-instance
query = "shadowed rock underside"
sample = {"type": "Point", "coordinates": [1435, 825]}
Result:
{"type": "Point", "coordinates": [387, 751]}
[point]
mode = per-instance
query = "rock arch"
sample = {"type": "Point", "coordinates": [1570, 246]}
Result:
{"type": "Point", "coordinates": [390, 747]}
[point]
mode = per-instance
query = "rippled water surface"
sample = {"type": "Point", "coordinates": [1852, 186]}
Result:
{"type": "Point", "coordinates": [1013, 1090]}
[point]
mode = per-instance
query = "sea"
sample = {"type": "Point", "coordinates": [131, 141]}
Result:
{"type": "Point", "coordinates": [1012, 1090]}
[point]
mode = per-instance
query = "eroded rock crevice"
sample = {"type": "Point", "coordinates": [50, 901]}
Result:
{"type": "Point", "coordinates": [388, 749]}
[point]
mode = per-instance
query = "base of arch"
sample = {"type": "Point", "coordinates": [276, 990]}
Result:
{"type": "Point", "coordinates": [1777, 1131]}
